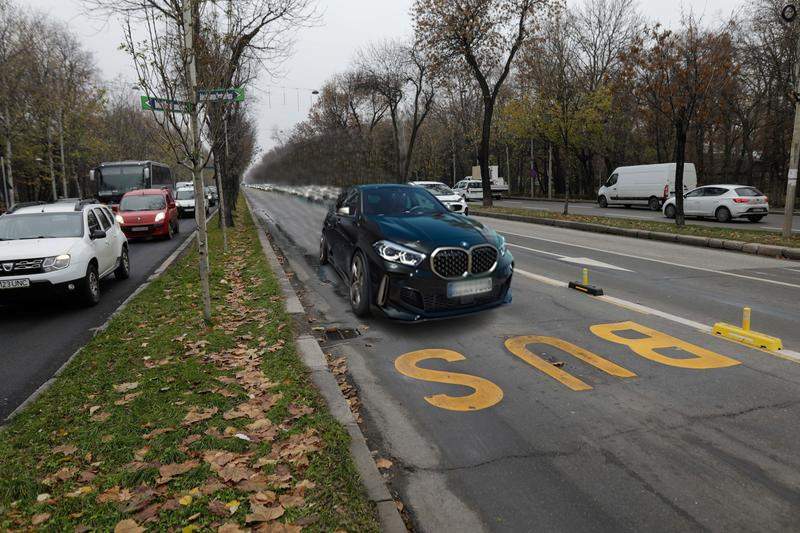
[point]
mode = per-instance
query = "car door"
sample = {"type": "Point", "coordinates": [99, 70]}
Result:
{"type": "Point", "coordinates": [172, 209]}
{"type": "Point", "coordinates": [691, 204]}
{"type": "Point", "coordinates": [611, 187]}
{"type": "Point", "coordinates": [331, 230]}
{"type": "Point", "coordinates": [710, 200]}
{"type": "Point", "coordinates": [347, 230]}
{"type": "Point", "coordinates": [106, 255]}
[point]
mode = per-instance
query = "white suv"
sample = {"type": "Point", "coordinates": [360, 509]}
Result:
{"type": "Point", "coordinates": [63, 247]}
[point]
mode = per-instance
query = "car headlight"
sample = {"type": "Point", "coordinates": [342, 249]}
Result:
{"type": "Point", "coordinates": [120, 220]}
{"type": "Point", "coordinates": [160, 217]}
{"type": "Point", "coordinates": [501, 245]}
{"type": "Point", "coordinates": [56, 263]}
{"type": "Point", "coordinates": [396, 253]}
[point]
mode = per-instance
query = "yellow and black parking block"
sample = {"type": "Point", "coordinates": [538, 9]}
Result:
{"type": "Point", "coordinates": [584, 286]}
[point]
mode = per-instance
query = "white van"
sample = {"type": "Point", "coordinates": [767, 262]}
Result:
{"type": "Point", "coordinates": [469, 189]}
{"type": "Point", "coordinates": [648, 185]}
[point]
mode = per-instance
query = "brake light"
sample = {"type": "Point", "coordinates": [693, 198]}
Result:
{"type": "Point", "coordinates": [666, 191]}
{"type": "Point", "coordinates": [742, 200]}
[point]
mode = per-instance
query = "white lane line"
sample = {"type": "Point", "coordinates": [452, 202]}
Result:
{"type": "Point", "coordinates": [663, 262]}
{"type": "Point", "coordinates": [576, 260]}
{"type": "Point", "coordinates": [645, 310]}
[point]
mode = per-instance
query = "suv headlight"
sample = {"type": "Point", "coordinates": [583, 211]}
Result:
{"type": "Point", "coordinates": [56, 263]}
{"type": "Point", "coordinates": [396, 253]}
{"type": "Point", "coordinates": [120, 220]}
{"type": "Point", "coordinates": [501, 245]}
{"type": "Point", "coordinates": [160, 217]}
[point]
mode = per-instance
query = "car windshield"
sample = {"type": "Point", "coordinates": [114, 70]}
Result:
{"type": "Point", "coordinates": [41, 226]}
{"type": "Point", "coordinates": [749, 191]}
{"type": "Point", "coordinates": [185, 194]}
{"type": "Point", "coordinates": [439, 189]}
{"type": "Point", "coordinates": [400, 201]}
{"type": "Point", "coordinates": [149, 202]}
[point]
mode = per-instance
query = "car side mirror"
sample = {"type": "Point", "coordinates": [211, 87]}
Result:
{"type": "Point", "coordinates": [97, 234]}
{"type": "Point", "coordinates": [344, 211]}
{"type": "Point", "coordinates": [115, 208]}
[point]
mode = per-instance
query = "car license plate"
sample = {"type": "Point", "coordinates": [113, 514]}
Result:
{"type": "Point", "coordinates": [143, 228]}
{"type": "Point", "coordinates": [15, 284]}
{"type": "Point", "coordinates": [459, 289]}
{"type": "Point", "coordinates": [759, 209]}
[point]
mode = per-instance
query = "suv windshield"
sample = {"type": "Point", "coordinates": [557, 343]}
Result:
{"type": "Point", "coordinates": [439, 189]}
{"type": "Point", "coordinates": [150, 202]}
{"type": "Point", "coordinates": [41, 226]}
{"type": "Point", "coordinates": [401, 201]}
{"type": "Point", "coordinates": [121, 178]}
{"type": "Point", "coordinates": [185, 194]}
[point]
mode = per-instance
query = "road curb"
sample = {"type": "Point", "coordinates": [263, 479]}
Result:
{"type": "Point", "coordinates": [768, 250]}
{"type": "Point", "coordinates": [314, 359]}
{"type": "Point", "coordinates": [101, 328]}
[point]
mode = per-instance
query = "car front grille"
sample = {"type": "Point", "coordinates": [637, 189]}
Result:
{"type": "Point", "coordinates": [21, 266]}
{"type": "Point", "coordinates": [450, 263]}
{"type": "Point", "coordinates": [454, 263]}
{"type": "Point", "coordinates": [483, 259]}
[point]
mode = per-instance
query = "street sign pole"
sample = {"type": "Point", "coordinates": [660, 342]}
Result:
{"type": "Point", "coordinates": [791, 184]}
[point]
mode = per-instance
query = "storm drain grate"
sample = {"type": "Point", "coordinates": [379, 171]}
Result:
{"type": "Point", "coordinates": [334, 334]}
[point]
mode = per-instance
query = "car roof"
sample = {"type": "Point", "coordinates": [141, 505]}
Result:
{"type": "Point", "coordinates": [146, 192]}
{"type": "Point", "coordinates": [426, 183]}
{"type": "Point", "coordinates": [384, 186]}
{"type": "Point", "coordinates": [58, 207]}
{"type": "Point", "coordinates": [729, 186]}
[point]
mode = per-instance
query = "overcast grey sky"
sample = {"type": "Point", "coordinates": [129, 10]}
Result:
{"type": "Point", "coordinates": [320, 52]}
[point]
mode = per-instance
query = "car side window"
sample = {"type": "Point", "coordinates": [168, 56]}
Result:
{"type": "Point", "coordinates": [109, 215]}
{"type": "Point", "coordinates": [715, 191]}
{"type": "Point", "coordinates": [104, 222]}
{"type": "Point", "coordinates": [696, 193]}
{"type": "Point", "coordinates": [91, 219]}
{"type": "Point", "coordinates": [340, 201]}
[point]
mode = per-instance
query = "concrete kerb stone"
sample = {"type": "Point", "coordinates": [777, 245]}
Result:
{"type": "Point", "coordinates": [323, 379]}
{"type": "Point", "coordinates": [689, 240]}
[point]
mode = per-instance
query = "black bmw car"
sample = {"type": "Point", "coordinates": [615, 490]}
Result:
{"type": "Point", "coordinates": [402, 252]}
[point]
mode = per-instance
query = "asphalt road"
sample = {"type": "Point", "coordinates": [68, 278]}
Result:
{"type": "Point", "coordinates": [668, 429]}
{"type": "Point", "coordinates": [772, 222]}
{"type": "Point", "coordinates": [36, 340]}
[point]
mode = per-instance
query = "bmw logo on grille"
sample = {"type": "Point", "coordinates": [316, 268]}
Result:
{"type": "Point", "coordinates": [8, 267]}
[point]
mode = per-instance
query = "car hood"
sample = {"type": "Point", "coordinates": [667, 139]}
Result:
{"type": "Point", "coordinates": [35, 248]}
{"type": "Point", "coordinates": [426, 233]}
{"type": "Point", "coordinates": [139, 217]}
{"type": "Point", "coordinates": [449, 198]}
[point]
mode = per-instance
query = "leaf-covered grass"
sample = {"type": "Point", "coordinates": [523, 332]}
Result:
{"type": "Point", "coordinates": [163, 422]}
{"type": "Point", "coordinates": [760, 237]}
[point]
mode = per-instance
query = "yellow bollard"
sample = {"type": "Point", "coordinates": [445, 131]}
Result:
{"type": "Point", "coordinates": [746, 319]}
{"type": "Point", "coordinates": [586, 276]}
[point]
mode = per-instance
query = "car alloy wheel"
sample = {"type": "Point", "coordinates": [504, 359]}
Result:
{"type": "Point", "coordinates": [670, 211]}
{"type": "Point", "coordinates": [602, 202]}
{"type": "Point", "coordinates": [723, 214]}
{"type": "Point", "coordinates": [91, 287]}
{"type": "Point", "coordinates": [655, 205]}
{"type": "Point", "coordinates": [359, 293]}
{"type": "Point", "coordinates": [123, 271]}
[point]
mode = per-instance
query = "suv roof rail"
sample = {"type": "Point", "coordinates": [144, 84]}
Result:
{"type": "Point", "coordinates": [22, 205]}
{"type": "Point", "coordinates": [86, 201]}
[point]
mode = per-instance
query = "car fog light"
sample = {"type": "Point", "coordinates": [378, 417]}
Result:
{"type": "Point", "coordinates": [71, 286]}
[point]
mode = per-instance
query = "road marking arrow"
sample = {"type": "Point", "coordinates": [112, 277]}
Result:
{"type": "Point", "coordinates": [576, 260]}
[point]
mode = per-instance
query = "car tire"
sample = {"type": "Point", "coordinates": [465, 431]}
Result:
{"type": "Point", "coordinates": [722, 214]}
{"type": "Point", "coordinates": [170, 232]}
{"type": "Point", "coordinates": [177, 225]}
{"type": "Point", "coordinates": [466, 211]}
{"type": "Point", "coordinates": [755, 218]}
{"type": "Point", "coordinates": [359, 286]}
{"type": "Point", "coordinates": [123, 271]}
{"type": "Point", "coordinates": [90, 287]}
{"type": "Point", "coordinates": [323, 251]}
{"type": "Point", "coordinates": [670, 211]}
{"type": "Point", "coordinates": [602, 201]}
{"type": "Point", "coordinates": [654, 204]}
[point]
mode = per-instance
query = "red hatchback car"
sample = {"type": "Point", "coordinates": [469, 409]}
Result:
{"type": "Point", "coordinates": [148, 213]}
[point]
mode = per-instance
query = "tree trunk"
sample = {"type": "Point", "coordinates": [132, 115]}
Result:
{"type": "Point", "coordinates": [680, 156]}
{"type": "Point", "coordinates": [9, 168]}
{"type": "Point", "coordinates": [64, 183]}
{"type": "Point", "coordinates": [483, 154]}
{"type": "Point", "coordinates": [50, 162]}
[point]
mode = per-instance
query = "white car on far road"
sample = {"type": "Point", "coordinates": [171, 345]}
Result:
{"type": "Point", "coordinates": [62, 248]}
{"type": "Point", "coordinates": [451, 199]}
{"type": "Point", "coordinates": [723, 202]}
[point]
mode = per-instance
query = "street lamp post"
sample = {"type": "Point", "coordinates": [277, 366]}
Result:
{"type": "Point", "coordinates": [789, 14]}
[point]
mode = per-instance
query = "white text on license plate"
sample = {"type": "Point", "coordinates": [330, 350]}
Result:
{"type": "Point", "coordinates": [15, 283]}
{"type": "Point", "coordinates": [458, 289]}
{"type": "Point", "coordinates": [145, 228]}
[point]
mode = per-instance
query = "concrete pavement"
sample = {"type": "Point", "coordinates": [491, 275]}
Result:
{"type": "Point", "coordinates": [659, 427]}
{"type": "Point", "coordinates": [772, 222]}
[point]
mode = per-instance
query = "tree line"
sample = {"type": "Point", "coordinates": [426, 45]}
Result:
{"type": "Point", "coordinates": [554, 94]}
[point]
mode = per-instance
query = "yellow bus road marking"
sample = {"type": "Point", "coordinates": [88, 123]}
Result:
{"type": "Point", "coordinates": [655, 340]}
{"type": "Point", "coordinates": [519, 347]}
{"type": "Point", "coordinates": [485, 395]}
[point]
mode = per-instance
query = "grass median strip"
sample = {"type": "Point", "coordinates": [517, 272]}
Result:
{"type": "Point", "coordinates": [760, 237]}
{"type": "Point", "coordinates": [164, 423]}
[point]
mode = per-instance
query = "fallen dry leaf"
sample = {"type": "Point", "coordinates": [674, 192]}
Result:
{"type": "Point", "coordinates": [93, 409]}
{"type": "Point", "coordinates": [218, 508]}
{"type": "Point", "coordinates": [65, 449]}
{"type": "Point", "coordinates": [384, 464]}
{"type": "Point", "coordinates": [126, 387]}
{"type": "Point", "coordinates": [235, 473]}
{"type": "Point", "coordinates": [175, 469]}
{"type": "Point", "coordinates": [194, 415]}
{"type": "Point", "coordinates": [101, 417]}
{"type": "Point", "coordinates": [289, 500]}
{"type": "Point", "coordinates": [40, 518]}
{"type": "Point", "coordinates": [261, 513]}
{"type": "Point", "coordinates": [128, 526]}
{"type": "Point", "coordinates": [230, 528]}
{"type": "Point", "coordinates": [157, 432]}
{"type": "Point", "coordinates": [77, 493]}
{"type": "Point", "coordinates": [185, 501]}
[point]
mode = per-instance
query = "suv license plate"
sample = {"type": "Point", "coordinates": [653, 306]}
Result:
{"type": "Point", "coordinates": [15, 284]}
{"type": "Point", "coordinates": [458, 289]}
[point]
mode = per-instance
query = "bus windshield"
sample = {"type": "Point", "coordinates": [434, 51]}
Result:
{"type": "Point", "coordinates": [121, 179]}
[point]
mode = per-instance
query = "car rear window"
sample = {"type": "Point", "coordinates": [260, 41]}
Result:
{"type": "Point", "coordinates": [748, 191]}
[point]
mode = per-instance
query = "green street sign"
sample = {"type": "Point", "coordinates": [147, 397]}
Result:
{"type": "Point", "coordinates": [235, 94]}
{"type": "Point", "coordinates": [150, 103]}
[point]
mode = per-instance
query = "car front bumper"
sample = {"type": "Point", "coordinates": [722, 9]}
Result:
{"type": "Point", "coordinates": [413, 295]}
{"type": "Point", "coordinates": [153, 230]}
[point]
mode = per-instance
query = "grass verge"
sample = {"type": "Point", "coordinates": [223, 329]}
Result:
{"type": "Point", "coordinates": [164, 423]}
{"type": "Point", "coordinates": [760, 237]}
